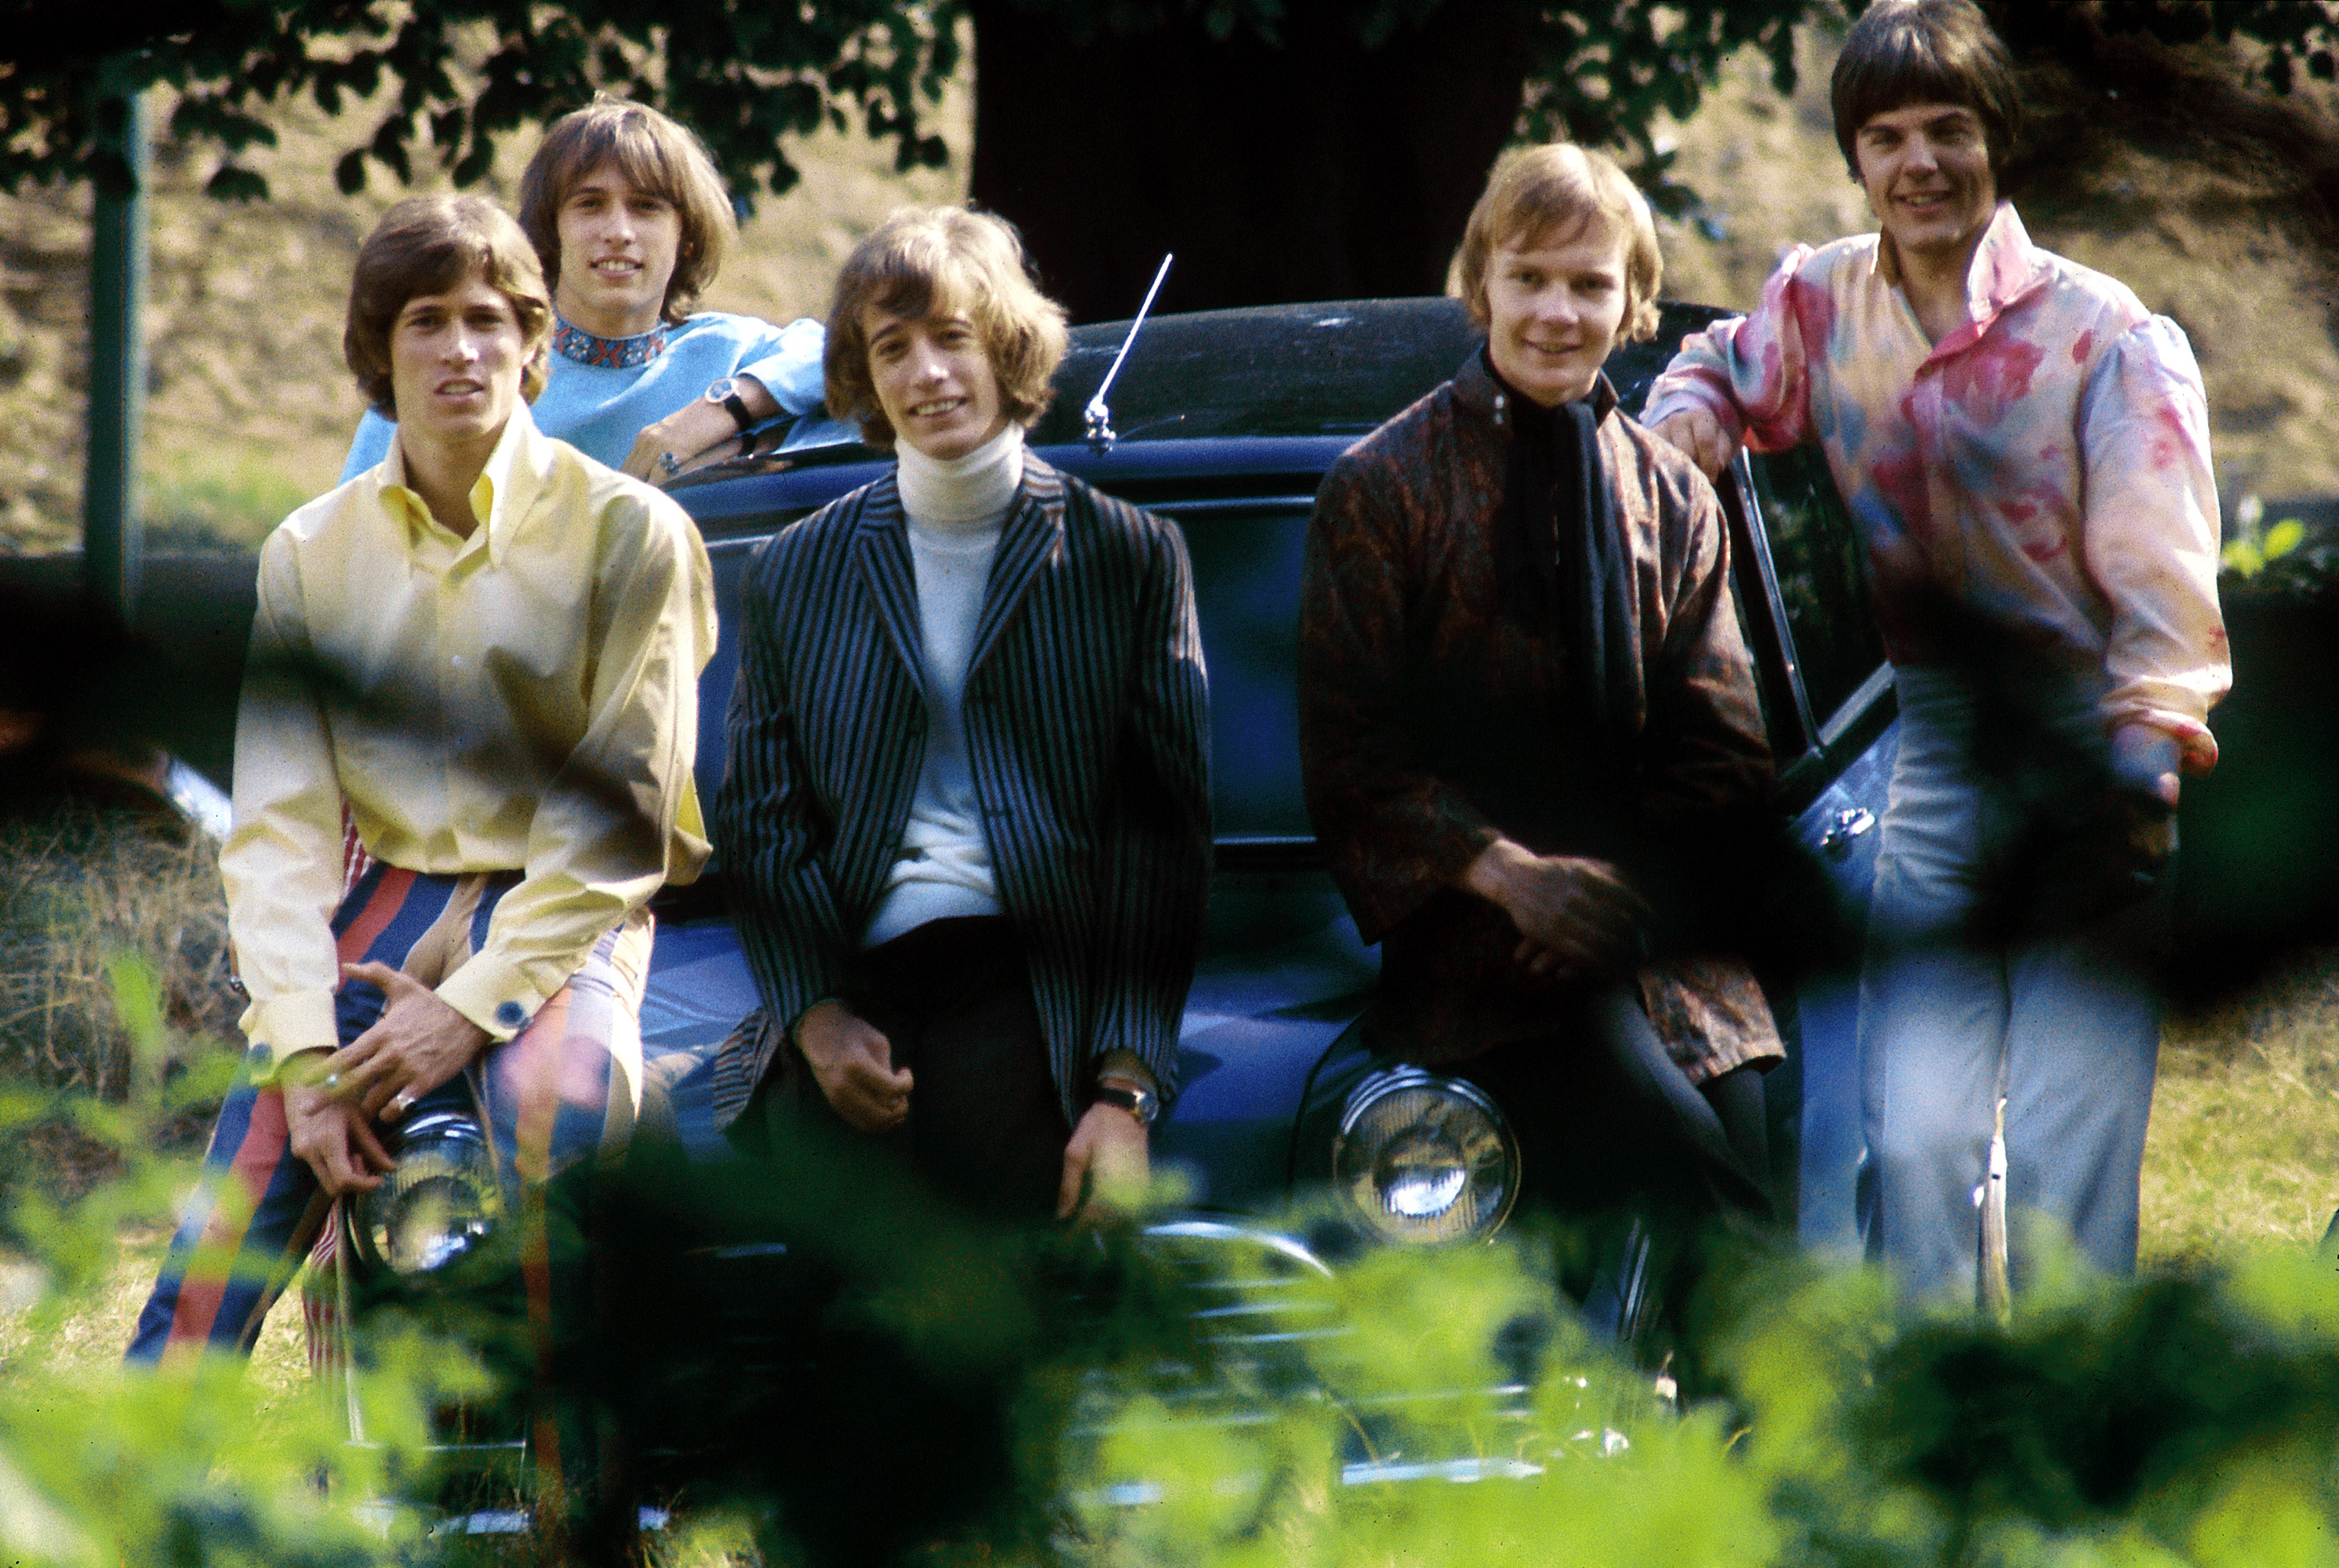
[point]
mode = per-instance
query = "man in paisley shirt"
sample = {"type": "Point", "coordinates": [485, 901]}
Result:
{"type": "Point", "coordinates": [1525, 708]}
{"type": "Point", "coordinates": [2024, 449]}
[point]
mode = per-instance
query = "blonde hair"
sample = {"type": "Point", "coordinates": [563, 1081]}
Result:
{"type": "Point", "coordinates": [927, 260]}
{"type": "Point", "coordinates": [1562, 186]}
{"type": "Point", "coordinates": [427, 245]}
{"type": "Point", "coordinates": [655, 156]}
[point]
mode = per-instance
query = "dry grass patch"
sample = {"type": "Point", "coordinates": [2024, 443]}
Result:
{"type": "Point", "coordinates": [2244, 1150]}
{"type": "Point", "coordinates": [81, 891]}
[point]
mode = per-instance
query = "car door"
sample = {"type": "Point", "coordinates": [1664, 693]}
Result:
{"type": "Point", "coordinates": [1828, 696]}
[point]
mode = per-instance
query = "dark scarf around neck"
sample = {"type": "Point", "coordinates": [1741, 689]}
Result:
{"type": "Point", "coordinates": [1561, 560]}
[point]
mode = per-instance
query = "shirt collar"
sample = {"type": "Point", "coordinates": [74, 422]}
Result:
{"type": "Point", "coordinates": [574, 343]}
{"type": "Point", "coordinates": [500, 497]}
{"type": "Point", "coordinates": [2005, 266]}
{"type": "Point", "coordinates": [1478, 389]}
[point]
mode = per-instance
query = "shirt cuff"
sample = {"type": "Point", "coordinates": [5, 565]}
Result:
{"type": "Point", "coordinates": [793, 376]}
{"type": "Point", "coordinates": [1122, 1062]}
{"type": "Point", "coordinates": [1692, 393]}
{"type": "Point", "coordinates": [493, 994]}
{"type": "Point", "coordinates": [282, 1027]}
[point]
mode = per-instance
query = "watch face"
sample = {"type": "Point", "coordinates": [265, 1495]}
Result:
{"type": "Point", "coordinates": [1136, 1101]}
{"type": "Point", "coordinates": [722, 389]}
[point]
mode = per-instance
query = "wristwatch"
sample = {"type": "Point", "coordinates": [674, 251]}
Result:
{"type": "Point", "coordinates": [726, 392]}
{"type": "Point", "coordinates": [1141, 1103]}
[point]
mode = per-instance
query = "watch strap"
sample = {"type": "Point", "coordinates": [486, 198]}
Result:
{"type": "Point", "coordinates": [1139, 1103]}
{"type": "Point", "coordinates": [725, 393]}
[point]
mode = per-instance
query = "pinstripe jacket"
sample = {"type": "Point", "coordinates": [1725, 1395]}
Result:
{"type": "Point", "coordinates": [1087, 725]}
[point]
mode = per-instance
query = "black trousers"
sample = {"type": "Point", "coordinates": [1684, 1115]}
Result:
{"type": "Point", "coordinates": [1607, 1124]}
{"type": "Point", "coordinates": [897, 1434]}
{"type": "Point", "coordinates": [985, 1133]}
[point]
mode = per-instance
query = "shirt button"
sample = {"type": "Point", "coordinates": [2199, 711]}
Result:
{"type": "Point", "coordinates": [511, 1015]}
{"type": "Point", "coordinates": [457, 661]}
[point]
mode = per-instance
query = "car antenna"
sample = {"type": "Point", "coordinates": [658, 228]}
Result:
{"type": "Point", "coordinates": [1096, 418]}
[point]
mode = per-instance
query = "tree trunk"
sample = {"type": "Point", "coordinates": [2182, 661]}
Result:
{"type": "Point", "coordinates": [1311, 169]}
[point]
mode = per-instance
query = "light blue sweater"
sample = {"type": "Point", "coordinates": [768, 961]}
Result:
{"type": "Point", "coordinates": [600, 409]}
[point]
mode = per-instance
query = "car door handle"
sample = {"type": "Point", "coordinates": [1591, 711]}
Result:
{"type": "Point", "coordinates": [1845, 826]}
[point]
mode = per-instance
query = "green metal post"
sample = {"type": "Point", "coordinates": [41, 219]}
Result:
{"type": "Point", "coordinates": [112, 537]}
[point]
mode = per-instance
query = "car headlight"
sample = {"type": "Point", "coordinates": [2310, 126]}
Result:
{"type": "Point", "coordinates": [438, 1204]}
{"type": "Point", "coordinates": [1425, 1158]}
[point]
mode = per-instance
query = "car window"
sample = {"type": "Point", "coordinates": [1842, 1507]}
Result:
{"type": "Point", "coordinates": [1816, 553]}
{"type": "Point", "coordinates": [1247, 559]}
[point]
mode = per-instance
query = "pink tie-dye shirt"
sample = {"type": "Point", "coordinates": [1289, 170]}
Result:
{"type": "Point", "coordinates": [2046, 465]}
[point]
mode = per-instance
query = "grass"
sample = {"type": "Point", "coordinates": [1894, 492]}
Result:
{"type": "Point", "coordinates": [223, 499]}
{"type": "Point", "coordinates": [81, 890]}
{"type": "Point", "coordinates": [2243, 1154]}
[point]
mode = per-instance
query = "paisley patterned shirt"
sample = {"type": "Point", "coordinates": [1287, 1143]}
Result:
{"type": "Point", "coordinates": [1433, 718]}
{"type": "Point", "coordinates": [2046, 466]}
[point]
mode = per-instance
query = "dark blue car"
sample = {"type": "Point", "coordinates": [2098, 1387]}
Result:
{"type": "Point", "coordinates": [1227, 423]}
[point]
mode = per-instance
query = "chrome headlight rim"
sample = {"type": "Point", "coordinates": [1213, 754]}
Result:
{"type": "Point", "coordinates": [1372, 1091]}
{"type": "Point", "coordinates": [426, 1140]}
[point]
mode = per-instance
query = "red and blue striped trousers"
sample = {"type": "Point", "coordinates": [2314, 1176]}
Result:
{"type": "Point", "coordinates": [565, 1090]}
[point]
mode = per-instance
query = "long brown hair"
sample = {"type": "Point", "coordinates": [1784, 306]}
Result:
{"type": "Point", "coordinates": [427, 245]}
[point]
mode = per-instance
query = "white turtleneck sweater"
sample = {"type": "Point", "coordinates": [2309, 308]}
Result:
{"type": "Point", "coordinates": [956, 507]}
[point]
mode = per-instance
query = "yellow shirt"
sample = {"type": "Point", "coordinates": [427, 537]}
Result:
{"type": "Point", "coordinates": [523, 699]}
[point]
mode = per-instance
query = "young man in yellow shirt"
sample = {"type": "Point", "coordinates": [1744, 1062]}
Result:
{"type": "Point", "coordinates": [488, 647]}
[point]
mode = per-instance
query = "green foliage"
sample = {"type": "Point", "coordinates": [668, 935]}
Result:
{"type": "Point", "coordinates": [465, 72]}
{"type": "Point", "coordinates": [744, 77]}
{"type": "Point", "coordinates": [1604, 72]}
{"type": "Point", "coordinates": [2298, 35]}
{"type": "Point", "coordinates": [172, 1467]}
{"type": "Point", "coordinates": [2283, 556]}
{"type": "Point", "coordinates": [2183, 1420]}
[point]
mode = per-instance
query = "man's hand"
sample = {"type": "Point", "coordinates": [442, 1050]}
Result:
{"type": "Point", "coordinates": [326, 1130]}
{"type": "Point", "coordinates": [2144, 763]}
{"type": "Point", "coordinates": [417, 1043]}
{"type": "Point", "coordinates": [852, 1063]}
{"type": "Point", "coordinates": [1105, 1164]}
{"type": "Point", "coordinates": [696, 428]}
{"type": "Point", "coordinates": [1697, 432]}
{"type": "Point", "coordinates": [1574, 914]}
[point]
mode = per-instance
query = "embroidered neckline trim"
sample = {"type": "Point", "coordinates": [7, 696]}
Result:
{"type": "Point", "coordinates": [608, 353]}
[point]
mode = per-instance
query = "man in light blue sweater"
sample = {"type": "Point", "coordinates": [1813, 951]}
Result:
{"type": "Point", "coordinates": [630, 220]}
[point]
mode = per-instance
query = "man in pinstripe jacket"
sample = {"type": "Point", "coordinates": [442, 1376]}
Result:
{"type": "Point", "coordinates": [966, 812]}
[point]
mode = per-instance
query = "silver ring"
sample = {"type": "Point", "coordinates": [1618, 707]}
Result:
{"type": "Point", "coordinates": [400, 1104]}
{"type": "Point", "coordinates": [669, 465]}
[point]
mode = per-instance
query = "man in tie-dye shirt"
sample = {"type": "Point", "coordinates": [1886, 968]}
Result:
{"type": "Point", "coordinates": [2025, 451]}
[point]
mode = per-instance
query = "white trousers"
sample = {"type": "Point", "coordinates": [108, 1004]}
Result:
{"type": "Point", "coordinates": [1945, 1007]}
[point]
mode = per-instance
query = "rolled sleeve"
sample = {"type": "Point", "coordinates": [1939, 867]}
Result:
{"type": "Point", "coordinates": [1753, 372]}
{"type": "Point", "coordinates": [2151, 536]}
{"type": "Point", "coordinates": [789, 365]}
